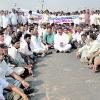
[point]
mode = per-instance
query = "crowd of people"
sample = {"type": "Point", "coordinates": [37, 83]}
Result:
{"type": "Point", "coordinates": [22, 42]}
{"type": "Point", "coordinates": [23, 16]}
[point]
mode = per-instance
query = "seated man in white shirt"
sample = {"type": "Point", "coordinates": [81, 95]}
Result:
{"type": "Point", "coordinates": [76, 37]}
{"type": "Point", "coordinates": [29, 59]}
{"type": "Point", "coordinates": [61, 42]}
{"type": "Point", "coordinates": [14, 53]}
{"type": "Point", "coordinates": [5, 70]}
{"type": "Point", "coordinates": [10, 61]}
{"type": "Point", "coordinates": [25, 48]}
{"type": "Point", "coordinates": [91, 46]}
{"type": "Point", "coordinates": [36, 43]}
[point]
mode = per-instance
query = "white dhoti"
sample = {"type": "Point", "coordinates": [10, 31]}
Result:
{"type": "Point", "coordinates": [64, 48]}
{"type": "Point", "coordinates": [18, 70]}
{"type": "Point", "coordinates": [61, 42]}
{"type": "Point", "coordinates": [40, 49]}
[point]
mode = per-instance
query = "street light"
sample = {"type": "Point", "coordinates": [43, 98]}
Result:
{"type": "Point", "coordinates": [14, 5]}
{"type": "Point", "coordinates": [42, 4]}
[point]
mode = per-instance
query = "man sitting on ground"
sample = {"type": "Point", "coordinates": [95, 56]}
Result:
{"type": "Point", "coordinates": [7, 71]}
{"type": "Point", "coordinates": [14, 53]}
{"type": "Point", "coordinates": [61, 42]}
{"type": "Point", "coordinates": [49, 38]}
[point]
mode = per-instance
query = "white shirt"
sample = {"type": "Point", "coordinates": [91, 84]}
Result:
{"type": "Point", "coordinates": [60, 39]}
{"type": "Point", "coordinates": [36, 44]}
{"type": "Point", "coordinates": [14, 53]}
{"type": "Point", "coordinates": [98, 37]}
{"type": "Point", "coordinates": [45, 18]}
{"type": "Point", "coordinates": [24, 48]}
{"type": "Point", "coordinates": [79, 39]}
{"type": "Point", "coordinates": [7, 39]}
{"type": "Point", "coordinates": [92, 19]}
{"type": "Point", "coordinates": [1, 21]}
{"type": "Point", "coordinates": [82, 16]}
{"type": "Point", "coordinates": [14, 18]}
{"type": "Point", "coordinates": [19, 19]}
{"type": "Point", "coordinates": [98, 19]}
{"type": "Point", "coordinates": [5, 70]}
{"type": "Point", "coordinates": [6, 21]}
{"type": "Point", "coordinates": [24, 19]}
{"type": "Point", "coordinates": [40, 31]}
{"type": "Point", "coordinates": [74, 36]}
{"type": "Point", "coordinates": [30, 21]}
{"type": "Point", "coordinates": [94, 46]}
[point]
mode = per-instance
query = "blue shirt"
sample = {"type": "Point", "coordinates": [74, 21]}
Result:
{"type": "Point", "coordinates": [49, 39]}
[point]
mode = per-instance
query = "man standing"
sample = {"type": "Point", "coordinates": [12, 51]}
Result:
{"type": "Point", "coordinates": [87, 17]}
{"type": "Point", "coordinates": [30, 18]}
{"type": "Point", "coordinates": [14, 17]}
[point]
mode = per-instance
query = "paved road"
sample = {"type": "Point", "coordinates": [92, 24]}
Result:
{"type": "Point", "coordinates": [63, 77]}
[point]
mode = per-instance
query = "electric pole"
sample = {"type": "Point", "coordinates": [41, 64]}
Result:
{"type": "Point", "coordinates": [42, 4]}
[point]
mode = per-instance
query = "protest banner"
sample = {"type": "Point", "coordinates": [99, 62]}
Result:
{"type": "Point", "coordinates": [65, 19]}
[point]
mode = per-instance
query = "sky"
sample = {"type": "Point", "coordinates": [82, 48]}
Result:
{"type": "Point", "coordinates": [53, 5]}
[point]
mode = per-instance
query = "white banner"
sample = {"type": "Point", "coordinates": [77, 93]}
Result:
{"type": "Point", "coordinates": [65, 19]}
